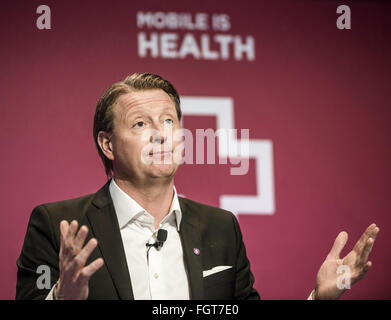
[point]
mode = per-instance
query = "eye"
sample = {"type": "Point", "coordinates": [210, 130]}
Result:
{"type": "Point", "coordinates": [168, 121]}
{"type": "Point", "coordinates": [138, 124]}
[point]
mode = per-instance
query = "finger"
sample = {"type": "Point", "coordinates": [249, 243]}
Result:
{"type": "Point", "coordinates": [338, 245]}
{"type": "Point", "coordinates": [367, 266]}
{"type": "Point", "coordinates": [76, 263]}
{"type": "Point", "coordinates": [71, 233]}
{"type": "Point", "coordinates": [68, 253]}
{"type": "Point", "coordinates": [367, 249]}
{"type": "Point", "coordinates": [89, 270]}
{"type": "Point", "coordinates": [364, 237]}
{"type": "Point", "coordinates": [80, 238]}
{"type": "Point", "coordinates": [83, 255]}
{"type": "Point", "coordinates": [374, 233]}
{"type": "Point", "coordinates": [63, 231]}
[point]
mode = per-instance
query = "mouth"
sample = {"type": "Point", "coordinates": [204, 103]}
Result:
{"type": "Point", "coordinates": [160, 153]}
{"type": "Point", "coordinates": [159, 157]}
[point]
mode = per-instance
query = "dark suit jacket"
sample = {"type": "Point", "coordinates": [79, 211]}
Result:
{"type": "Point", "coordinates": [214, 231]}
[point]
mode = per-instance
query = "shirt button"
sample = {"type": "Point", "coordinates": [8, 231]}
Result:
{"type": "Point", "coordinates": [156, 276]}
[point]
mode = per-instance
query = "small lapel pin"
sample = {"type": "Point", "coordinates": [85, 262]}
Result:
{"type": "Point", "coordinates": [196, 251]}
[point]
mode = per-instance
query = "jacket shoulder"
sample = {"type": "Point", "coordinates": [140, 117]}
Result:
{"type": "Point", "coordinates": [67, 209]}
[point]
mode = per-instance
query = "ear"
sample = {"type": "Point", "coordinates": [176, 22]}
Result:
{"type": "Point", "coordinates": [105, 144]}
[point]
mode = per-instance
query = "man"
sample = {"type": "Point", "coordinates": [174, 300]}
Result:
{"type": "Point", "coordinates": [203, 256]}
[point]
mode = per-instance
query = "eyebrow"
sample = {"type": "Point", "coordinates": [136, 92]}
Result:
{"type": "Point", "coordinates": [141, 110]}
{"type": "Point", "coordinates": [132, 115]}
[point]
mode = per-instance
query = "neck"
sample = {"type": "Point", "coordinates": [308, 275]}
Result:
{"type": "Point", "coordinates": [154, 197]}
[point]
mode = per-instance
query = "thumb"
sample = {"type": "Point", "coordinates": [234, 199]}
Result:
{"type": "Point", "coordinates": [338, 245]}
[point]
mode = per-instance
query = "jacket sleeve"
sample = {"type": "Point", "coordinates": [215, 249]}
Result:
{"type": "Point", "coordinates": [38, 261]}
{"type": "Point", "coordinates": [244, 278]}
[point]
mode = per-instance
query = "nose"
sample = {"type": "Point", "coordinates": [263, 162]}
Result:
{"type": "Point", "coordinates": [158, 135]}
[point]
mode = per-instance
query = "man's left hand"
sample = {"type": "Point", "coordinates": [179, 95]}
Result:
{"type": "Point", "coordinates": [328, 284]}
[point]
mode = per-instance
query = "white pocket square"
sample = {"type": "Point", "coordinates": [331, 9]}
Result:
{"type": "Point", "coordinates": [214, 270]}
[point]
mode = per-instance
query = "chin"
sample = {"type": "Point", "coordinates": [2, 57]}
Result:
{"type": "Point", "coordinates": [163, 170]}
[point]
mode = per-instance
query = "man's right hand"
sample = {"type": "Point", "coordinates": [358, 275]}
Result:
{"type": "Point", "coordinates": [74, 275]}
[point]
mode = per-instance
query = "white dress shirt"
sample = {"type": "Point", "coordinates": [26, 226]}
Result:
{"type": "Point", "coordinates": [154, 273]}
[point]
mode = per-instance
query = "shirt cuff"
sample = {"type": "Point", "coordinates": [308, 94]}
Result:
{"type": "Point", "coordinates": [50, 296]}
{"type": "Point", "coordinates": [311, 297]}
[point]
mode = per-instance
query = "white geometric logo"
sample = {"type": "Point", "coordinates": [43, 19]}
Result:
{"type": "Point", "coordinates": [262, 150]}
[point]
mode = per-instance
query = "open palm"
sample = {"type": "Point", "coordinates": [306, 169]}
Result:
{"type": "Point", "coordinates": [351, 268]}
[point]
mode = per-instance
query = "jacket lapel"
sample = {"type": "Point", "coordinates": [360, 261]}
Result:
{"type": "Point", "coordinates": [104, 224]}
{"type": "Point", "coordinates": [190, 234]}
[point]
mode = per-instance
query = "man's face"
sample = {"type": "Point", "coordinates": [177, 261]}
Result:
{"type": "Point", "coordinates": [145, 123]}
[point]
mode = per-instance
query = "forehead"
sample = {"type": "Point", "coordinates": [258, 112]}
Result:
{"type": "Point", "coordinates": [145, 100]}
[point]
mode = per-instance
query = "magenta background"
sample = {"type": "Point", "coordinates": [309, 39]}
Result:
{"type": "Point", "coordinates": [321, 95]}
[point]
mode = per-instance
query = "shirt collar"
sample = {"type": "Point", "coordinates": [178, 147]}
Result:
{"type": "Point", "coordinates": [127, 208]}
